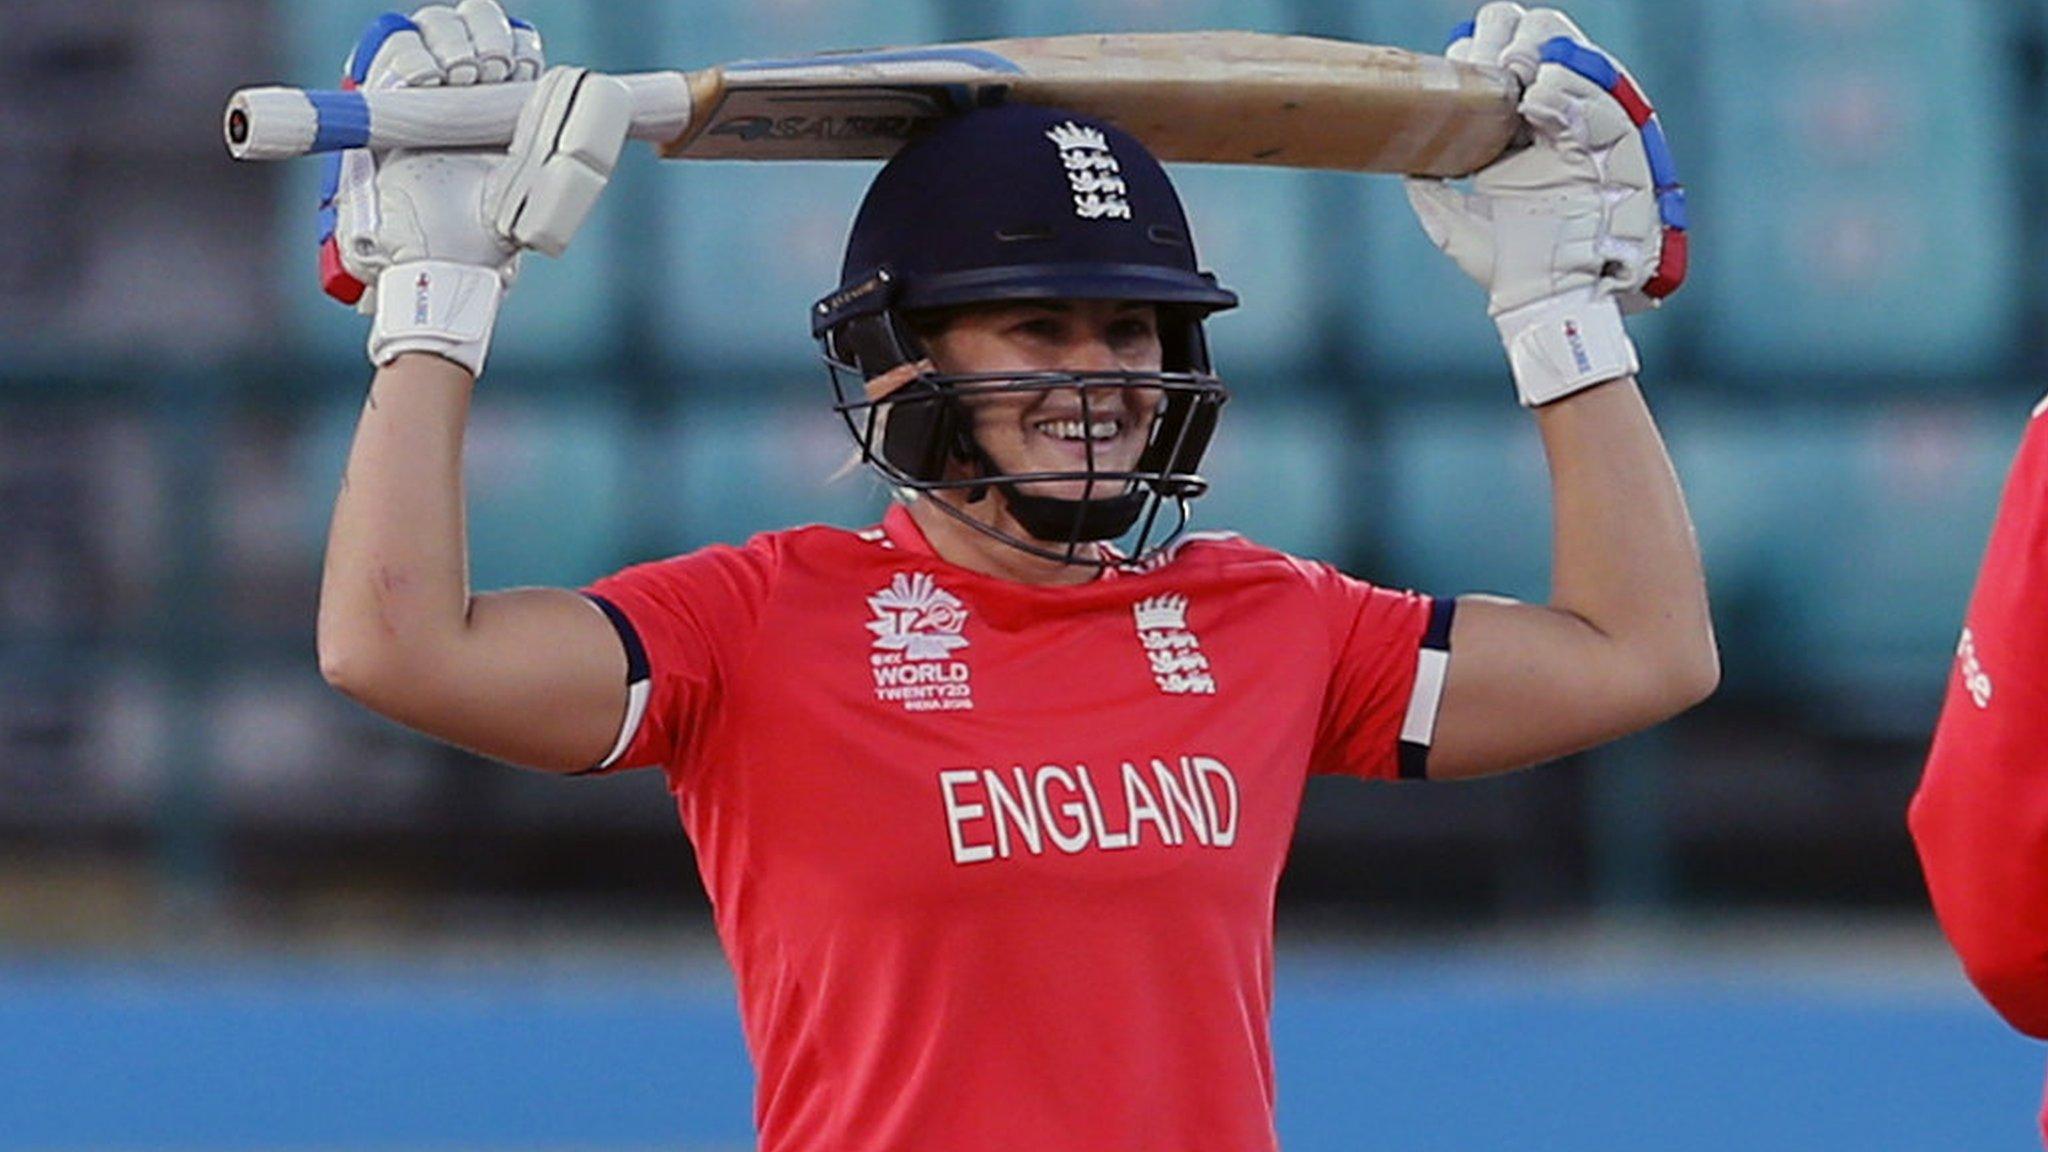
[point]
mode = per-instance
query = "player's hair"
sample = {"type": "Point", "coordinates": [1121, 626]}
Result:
{"type": "Point", "coordinates": [1021, 203]}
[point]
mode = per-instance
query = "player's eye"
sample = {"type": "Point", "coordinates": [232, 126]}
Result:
{"type": "Point", "coordinates": [1134, 334]}
{"type": "Point", "coordinates": [1039, 328]}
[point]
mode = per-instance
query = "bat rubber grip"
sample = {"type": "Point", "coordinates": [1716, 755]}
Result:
{"type": "Point", "coordinates": [279, 123]}
{"type": "Point", "coordinates": [270, 124]}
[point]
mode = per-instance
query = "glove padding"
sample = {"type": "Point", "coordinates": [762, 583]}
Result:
{"type": "Point", "coordinates": [437, 234]}
{"type": "Point", "coordinates": [1584, 223]}
{"type": "Point", "coordinates": [436, 46]}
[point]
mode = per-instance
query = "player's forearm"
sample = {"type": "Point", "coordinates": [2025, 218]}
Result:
{"type": "Point", "coordinates": [1626, 560]}
{"type": "Point", "coordinates": [395, 584]}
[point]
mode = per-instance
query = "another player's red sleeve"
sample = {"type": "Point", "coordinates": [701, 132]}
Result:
{"type": "Point", "coordinates": [1387, 659]}
{"type": "Point", "coordinates": [1980, 818]}
{"type": "Point", "coordinates": [684, 622]}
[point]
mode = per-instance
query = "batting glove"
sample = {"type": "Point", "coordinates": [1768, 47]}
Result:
{"type": "Point", "coordinates": [1585, 223]}
{"type": "Point", "coordinates": [428, 241]}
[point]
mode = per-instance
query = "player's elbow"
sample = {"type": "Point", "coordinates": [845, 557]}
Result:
{"type": "Point", "coordinates": [375, 675]}
{"type": "Point", "coordinates": [402, 686]}
{"type": "Point", "coordinates": [1695, 676]}
{"type": "Point", "coordinates": [1679, 676]}
{"type": "Point", "coordinates": [350, 668]}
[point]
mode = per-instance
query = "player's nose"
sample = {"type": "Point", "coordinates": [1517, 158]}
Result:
{"type": "Point", "coordinates": [1090, 351]}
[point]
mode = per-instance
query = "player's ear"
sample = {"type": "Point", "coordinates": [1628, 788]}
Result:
{"type": "Point", "coordinates": [926, 329]}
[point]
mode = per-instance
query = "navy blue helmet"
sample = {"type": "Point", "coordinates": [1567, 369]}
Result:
{"type": "Point", "coordinates": [1011, 203]}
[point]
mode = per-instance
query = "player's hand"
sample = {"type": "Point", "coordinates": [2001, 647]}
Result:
{"type": "Point", "coordinates": [428, 241]}
{"type": "Point", "coordinates": [1583, 224]}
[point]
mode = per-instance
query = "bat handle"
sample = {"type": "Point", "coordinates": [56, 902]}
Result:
{"type": "Point", "coordinates": [278, 123]}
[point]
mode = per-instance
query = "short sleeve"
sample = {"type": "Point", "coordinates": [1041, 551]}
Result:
{"type": "Point", "coordinates": [685, 624]}
{"type": "Point", "coordinates": [1980, 816]}
{"type": "Point", "coordinates": [1388, 652]}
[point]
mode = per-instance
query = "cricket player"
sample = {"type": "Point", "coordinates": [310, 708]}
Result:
{"type": "Point", "coordinates": [991, 807]}
{"type": "Point", "coordinates": [1980, 818]}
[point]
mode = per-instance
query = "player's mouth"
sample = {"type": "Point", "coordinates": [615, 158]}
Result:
{"type": "Point", "coordinates": [1068, 443]}
{"type": "Point", "coordinates": [1076, 431]}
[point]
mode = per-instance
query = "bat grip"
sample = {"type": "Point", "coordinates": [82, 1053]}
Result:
{"type": "Point", "coordinates": [278, 123]}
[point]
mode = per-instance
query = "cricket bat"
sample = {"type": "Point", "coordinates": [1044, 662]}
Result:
{"type": "Point", "coordinates": [1206, 97]}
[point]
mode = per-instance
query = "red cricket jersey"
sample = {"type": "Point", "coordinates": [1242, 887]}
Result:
{"type": "Point", "coordinates": [994, 864]}
{"type": "Point", "coordinates": [1980, 818]}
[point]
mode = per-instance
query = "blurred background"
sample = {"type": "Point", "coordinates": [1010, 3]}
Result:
{"type": "Point", "coordinates": [238, 912]}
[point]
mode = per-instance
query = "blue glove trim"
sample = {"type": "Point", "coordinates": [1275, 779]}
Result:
{"type": "Point", "coordinates": [330, 177]}
{"type": "Point", "coordinates": [1671, 208]}
{"type": "Point", "coordinates": [1663, 169]}
{"type": "Point", "coordinates": [1581, 59]}
{"type": "Point", "coordinates": [1463, 31]}
{"type": "Point", "coordinates": [1596, 67]}
{"type": "Point", "coordinates": [380, 30]}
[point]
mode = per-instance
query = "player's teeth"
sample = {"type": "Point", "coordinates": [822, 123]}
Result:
{"type": "Point", "coordinates": [1075, 430]}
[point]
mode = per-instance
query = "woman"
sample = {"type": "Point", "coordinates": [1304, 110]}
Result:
{"type": "Point", "coordinates": [1980, 816]}
{"type": "Point", "coordinates": [990, 812]}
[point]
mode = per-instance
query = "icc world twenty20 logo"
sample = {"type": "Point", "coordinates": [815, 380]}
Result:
{"type": "Point", "coordinates": [917, 629]}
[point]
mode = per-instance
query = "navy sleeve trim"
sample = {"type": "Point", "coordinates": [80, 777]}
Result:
{"type": "Point", "coordinates": [636, 652]}
{"type": "Point", "coordinates": [638, 681]}
{"type": "Point", "coordinates": [1432, 659]}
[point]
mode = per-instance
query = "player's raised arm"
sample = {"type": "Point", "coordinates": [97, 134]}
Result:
{"type": "Point", "coordinates": [1566, 234]}
{"type": "Point", "coordinates": [428, 242]}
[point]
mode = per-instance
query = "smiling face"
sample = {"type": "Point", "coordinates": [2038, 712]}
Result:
{"type": "Point", "coordinates": [1053, 430]}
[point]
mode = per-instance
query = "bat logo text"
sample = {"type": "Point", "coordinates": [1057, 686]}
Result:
{"type": "Point", "coordinates": [755, 129]}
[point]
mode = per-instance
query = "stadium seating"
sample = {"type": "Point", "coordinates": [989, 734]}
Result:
{"type": "Point", "coordinates": [1854, 225]}
{"type": "Point", "coordinates": [746, 251]}
{"type": "Point", "coordinates": [743, 250]}
{"type": "Point", "coordinates": [1839, 547]}
{"type": "Point", "coordinates": [1465, 501]}
{"type": "Point", "coordinates": [1744, 472]}
{"type": "Point", "coordinates": [1283, 473]}
{"type": "Point", "coordinates": [551, 482]}
{"type": "Point", "coordinates": [1054, 17]}
{"type": "Point", "coordinates": [1252, 229]}
{"type": "Point", "coordinates": [724, 473]}
{"type": "Point", "coordinates": [85, 525]}
{"type": "Point", "coordinates": [1882, 538]}
{"type": "Point", "coordinates": [82, 747]}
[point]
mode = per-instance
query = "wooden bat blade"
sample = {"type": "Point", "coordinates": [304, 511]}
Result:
{"type": "Point", "coordinates": [1292, 101]}
{"type": "Point", "coordinates": [1213, 97]}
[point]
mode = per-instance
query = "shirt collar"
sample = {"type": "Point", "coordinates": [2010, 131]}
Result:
{"type": "Point", "coordinates": [902, 530]}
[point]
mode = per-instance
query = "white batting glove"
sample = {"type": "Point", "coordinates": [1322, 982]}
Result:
{"type": "Point", "coordinates": [428, 241]}
{"type": "Point", "coordinates": [1585, 223]}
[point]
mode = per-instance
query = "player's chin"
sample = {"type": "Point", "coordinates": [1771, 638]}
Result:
{"type": "Point", "coordinates": [1073, 489]}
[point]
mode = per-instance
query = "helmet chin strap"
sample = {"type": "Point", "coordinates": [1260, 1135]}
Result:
{"type": "Point", "coordinates": [1049, 519]}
